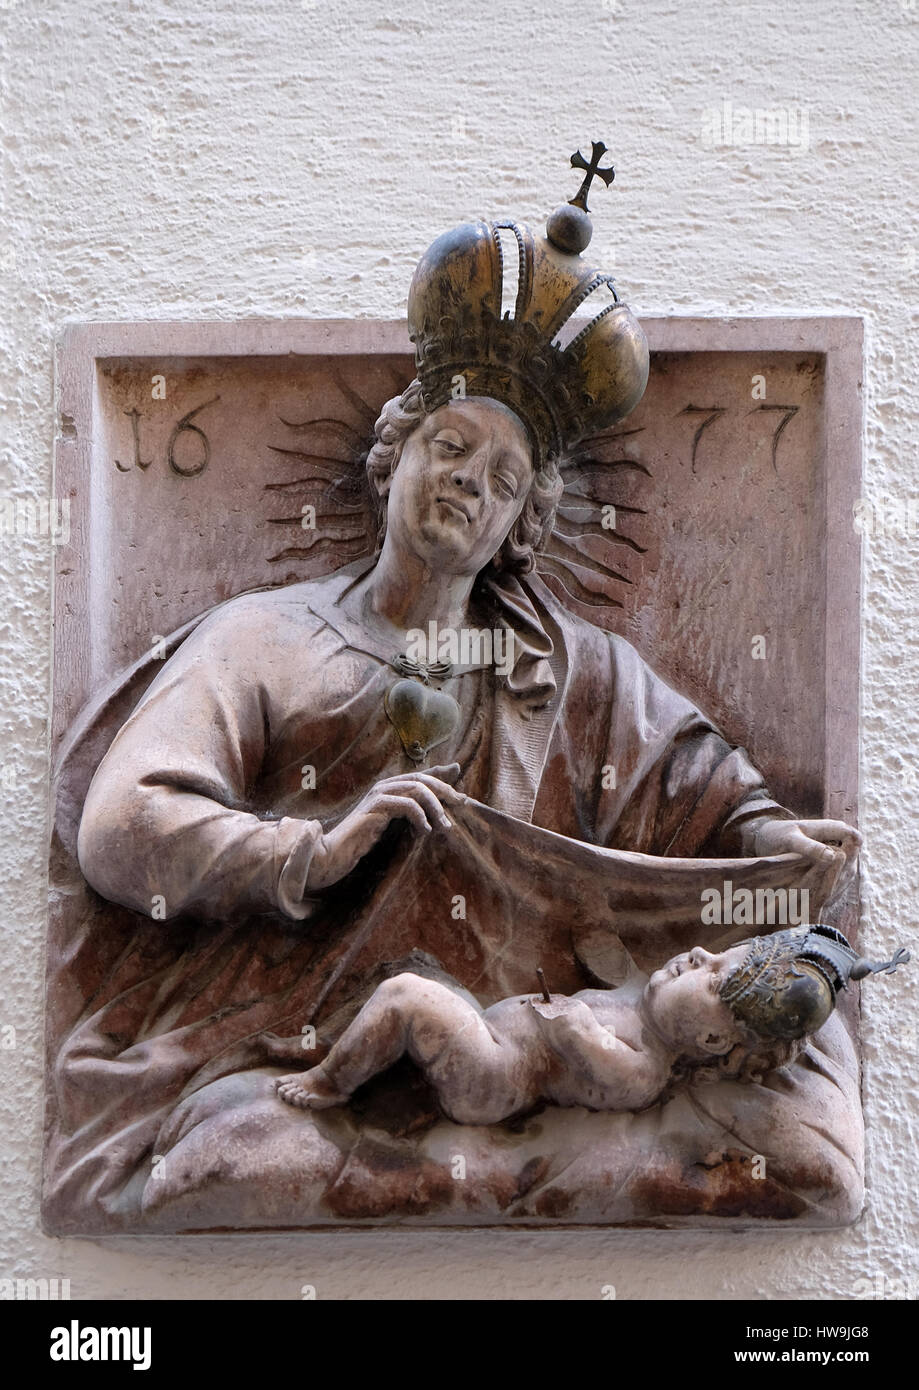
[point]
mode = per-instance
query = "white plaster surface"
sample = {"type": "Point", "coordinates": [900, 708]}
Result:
{"type": "Point", "coordinates": [221, 159]}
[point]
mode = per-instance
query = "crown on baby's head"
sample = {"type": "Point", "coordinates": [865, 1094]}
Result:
{"type": "Point", "coordinates": [788, 983]}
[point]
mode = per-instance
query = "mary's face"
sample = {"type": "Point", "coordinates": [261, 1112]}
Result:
{"type": "Point", "coordinates": [460, 485]}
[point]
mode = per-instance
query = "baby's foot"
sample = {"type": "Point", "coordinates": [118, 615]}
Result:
{"type": "Point", "coordinates": [309, 1090]}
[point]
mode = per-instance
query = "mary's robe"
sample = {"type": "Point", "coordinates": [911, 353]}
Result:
{"type": "Point", "coordinates": [266, 726]}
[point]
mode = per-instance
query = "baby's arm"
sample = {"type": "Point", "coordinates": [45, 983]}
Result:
{"type": "Point", "coordinates": [600, 1069]}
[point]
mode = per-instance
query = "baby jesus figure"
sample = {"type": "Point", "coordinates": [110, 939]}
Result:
{"type": "Point", "coordinates": [735, 1015]}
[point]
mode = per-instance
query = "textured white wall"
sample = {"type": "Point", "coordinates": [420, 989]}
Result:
{"type": "Point", "coordinates": [175, 159]}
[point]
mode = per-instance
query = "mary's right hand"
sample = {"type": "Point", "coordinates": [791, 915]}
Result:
{"type": "Point", "coordinates": [418, 797]}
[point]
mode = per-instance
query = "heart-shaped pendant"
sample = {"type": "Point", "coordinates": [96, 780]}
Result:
{"type": "Point", "coordinates": [422, 717]}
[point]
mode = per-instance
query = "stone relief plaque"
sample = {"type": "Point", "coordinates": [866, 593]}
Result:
{"type": "Point", "coordinates": [454, 781]}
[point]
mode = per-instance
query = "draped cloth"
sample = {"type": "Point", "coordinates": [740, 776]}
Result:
{"type": "Point", "coordinates": [600, 806]}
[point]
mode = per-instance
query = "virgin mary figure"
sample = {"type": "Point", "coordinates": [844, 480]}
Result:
{"type": "Point", "coordinates": [306, 797]}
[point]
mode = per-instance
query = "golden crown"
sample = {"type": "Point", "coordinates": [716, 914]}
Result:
{"type": "Point", "coordinates": [787, 984]}
{"type": "Point", "coordinates": [567, 372]}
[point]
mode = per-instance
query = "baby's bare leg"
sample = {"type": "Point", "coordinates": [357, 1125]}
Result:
{"type": "Point", "coordinates": [443, 1033]}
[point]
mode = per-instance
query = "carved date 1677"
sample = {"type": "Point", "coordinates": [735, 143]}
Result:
{"type": "Point", "coordinates": [184, 470]}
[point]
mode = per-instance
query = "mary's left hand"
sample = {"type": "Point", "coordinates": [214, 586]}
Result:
{"type": "Point", "coordinates": [830, 845]}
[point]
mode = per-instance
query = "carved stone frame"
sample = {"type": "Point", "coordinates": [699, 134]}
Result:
{"type": "Point", "coordinates": [838, 341]}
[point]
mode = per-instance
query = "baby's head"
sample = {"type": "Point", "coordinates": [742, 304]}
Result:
{"type": "Point", "coordinates": [683, 1004]}
{"type": "Point", "coordinates": [750, 1009]}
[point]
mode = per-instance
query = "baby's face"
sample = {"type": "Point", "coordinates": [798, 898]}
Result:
{"type": "Point", "coordinates": [683, 1003]}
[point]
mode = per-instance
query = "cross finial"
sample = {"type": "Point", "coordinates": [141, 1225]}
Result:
{"type": "Point", "coordinates": [592, 170]}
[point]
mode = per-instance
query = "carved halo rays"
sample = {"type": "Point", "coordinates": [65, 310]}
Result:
{"type": "Point", "coordinates": [582, 560]}
{"type": "Point", "coordinates": [330, 455]}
